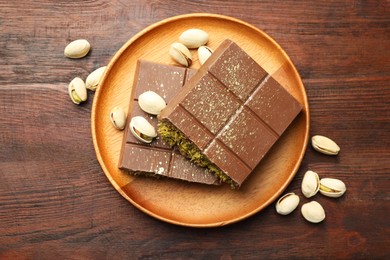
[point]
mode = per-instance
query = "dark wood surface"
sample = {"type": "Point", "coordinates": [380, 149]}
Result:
{"type": "Point", "coordinates": [56, 202]}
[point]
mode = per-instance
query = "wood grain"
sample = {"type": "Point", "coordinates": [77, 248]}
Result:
{"type": "Point", "coordinates": [55, 201]}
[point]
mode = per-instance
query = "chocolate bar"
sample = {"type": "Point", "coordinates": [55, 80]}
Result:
{"type": "Point", "coordinates": [229, 114]}
{"type": "Point", "coordinates": [158, 158]}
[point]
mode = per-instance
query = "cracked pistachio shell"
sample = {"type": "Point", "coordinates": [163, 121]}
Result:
{"type": "Point", "coordinates": [313, 212]}
{"type": "Point", "coordinates": [287, 203]}
{"type": "Point", "coordinates": [180, 54]}
{"type": "Point", "coordinates": [204, 53]}
{"type": "Point", "coordinates": [324, 145]}
{"type": "Point", "coordinates": [77, 91]}
{"type": "Point", "coordinates": [193, 38]}
{"type": "Point", "coordinates": [151, 102]}
{"type": "Point", "coordinates": [333, 188]}
{"type": "Point", "coordinates": [310, 184]}
{"type": "Point", "coordinates": [142, 129]}
{"type": "Point", "coordinates": [118, 118]}
{"type": "Point", "coordinates": [77, 49]}
{"type": "Point", "coordinates": [93, 79]}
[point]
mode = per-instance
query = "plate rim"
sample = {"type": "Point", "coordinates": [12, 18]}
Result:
{"type": "Point", "coordinates": [118, 54]}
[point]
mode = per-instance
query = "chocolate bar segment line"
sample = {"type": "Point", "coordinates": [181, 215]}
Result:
{"type": "Point", "coordinates": [239, 111]}
{"type": "Point", "coordinates": [274, 105]}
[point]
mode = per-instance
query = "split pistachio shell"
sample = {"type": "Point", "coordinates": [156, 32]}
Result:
{"type": "Point", "coordinates": [193, 38]}
{"type": "Point", "coordinates": [93, 79]}
{"type": "Point", "coordinates": [151, 102]}
{"type": "Point", "coordinates": [324, 145]}
{"type": "Point", "coordinates": [313, 212]}
{"type": "Point", "coordinates": [287, 203]}
{"type": "Point", "coordinates": [332, 187]}
{"type": "Point", "coordinates": [310, 184]}
{"type": "Point", "coordinates": [142, 129]}
{"type": "Point", "coordinates": [77, 90]}
{"type": "Point", "coordinates": [118, 118]}
{"type": "Point", "coordinates": [180, 54]}
{"type": "Point", "coordinates": [77, 49]}
{"type": "Point", "coordinates": [204, 53]}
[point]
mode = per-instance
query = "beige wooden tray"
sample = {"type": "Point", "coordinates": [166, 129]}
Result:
{"type": "Point", "coordinates": [185, 203]}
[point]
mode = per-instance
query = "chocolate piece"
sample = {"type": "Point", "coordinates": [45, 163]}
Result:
{"type": "Point", "coordinates": [158, 158]}
{"type": "Point", "coordinates": [232, 110]}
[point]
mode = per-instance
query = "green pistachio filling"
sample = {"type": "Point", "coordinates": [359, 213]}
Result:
{"type": "Point", "coordinates": [147, 174]}
{"type": "Point", "coordinates": [173, 137]}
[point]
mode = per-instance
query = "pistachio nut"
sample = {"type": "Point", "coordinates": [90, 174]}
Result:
{"type": "Point", "coordinates": [151, 102]}
{"type": "Point", "coordinates": [181, 54]}
{"type": "Point", "coordinates": [77, 90]}
{"type": "Point", "coordinates": [310, 184]}
{"type": "Point", "coordinates": [142, 129]}
{"type": "Point", "coordinates": [324, 145]}
{"type": "Point", "coordinates": [313, 212]}
{"type": "Point", "coordinates": [193, 38]}
{"type": "Point", "coordinates": [118, 118]}
{"type": "Point", "coordinates": [77, 49]}
{"type": "Point", "coordinates": [204, 53]}
{"type": "Point", "coordinates": [93, 79]}
{"type": "Point", "coordinates": [287, 203]}
{"type": "Point", "coordinates": [333, 188]}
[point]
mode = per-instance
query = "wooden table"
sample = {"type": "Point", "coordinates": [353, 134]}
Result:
{"type": "Point", "coordinates": [56, 202]}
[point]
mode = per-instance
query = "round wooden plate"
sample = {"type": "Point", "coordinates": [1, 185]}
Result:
{"type": "Point", "coordinates": [179, 202]}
